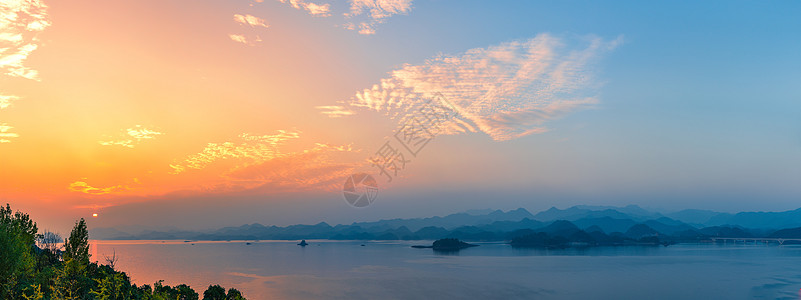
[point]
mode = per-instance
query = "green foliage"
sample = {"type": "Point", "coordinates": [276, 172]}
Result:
{"type": "Point", "coordinates": [17, 261]}
{"type": "Point", "coordinates": [32, 273]}
{"type": "Point", "coordinates": [214, 292]}
{"type": "Point", "coordinates": [76, 247]}
{"type": "Point", "coordinates": [179, 292]}
{"type": "Point", "coordinates": [20, 223]}
{"type": "Point", "coordinates": [234, 294]}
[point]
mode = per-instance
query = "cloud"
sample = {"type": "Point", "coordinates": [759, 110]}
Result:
{"type": "Point", "coordinates": [335, 111]}
{"type": "Point", "coordinates": [133, 136]}
{"type": "Point", "coordinates": [506, 91]}
{"type": "Point", "coordinates": [238, 38]}
{"type": "Point", "coordinates": [20, 23]}
{"type": "Point", "coordinates": [5, 101]}
{"type": "Point", "coordinates": [246, 165]}
{"type": "Point", "coordinates": [250, 20]}
{"type": "Point", "coordinates": [308, 169]}
{"type": "Point", "coordinates": [366, 14]}
{"type": "Point", "coordinates": [249, 148]}
{"type": "Point", "coordinates": [259, 164]}
{"type": "Point", "coordinates": [83, 187]}
{"type": "Point", "coordinates": [241, 38]}
{"type": "Point", "coordinates": [314, 9]}
{"type": "Point", "coordinates": [363, 15]}
{"type": "Point", "coordinates": [5, 135]}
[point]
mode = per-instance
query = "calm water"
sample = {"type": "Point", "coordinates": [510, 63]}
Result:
{"type": "Point", "coordinates": [393, 270]}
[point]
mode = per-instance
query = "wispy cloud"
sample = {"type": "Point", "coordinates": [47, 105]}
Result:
{"type": "Point", "coordinates": [5, 101]}
{"type": "Point", "coordinates": [335, 111]}
{"type": "Point", "coordinates": [314, 9]}
{"type": "Point", "coordinates": [363, 15]}
{"type": "Point", "coordinates": [132, 137]}
{"type": "Point", "coordinates": [250, 20]}
{"type": "Point", "coordinates": [248, 164]}
{"type": "Point", "coordinates": [6, 134]}
{"type": "Point", "coordinates": [238, 38]}
{"type": "Point", "coordinates": [366, 14]}
{"type": "Point", "coordinates": [260, 164]}
{"type": "Point", "coordinates": [506, 91]}
{"type": "Point", "coordinates": [20, 23]}
{"type": "Point", "coordinates": [309, 169]}
{"type": "Point", "coordinates": [83, 187]}
{"type": "Point", "coordinates": [249, 149]}
{"type": "Point", "coordinates": [241, 38]}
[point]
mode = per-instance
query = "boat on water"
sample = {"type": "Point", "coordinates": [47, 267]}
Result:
{"type": "Point", "coordinates": [303, 243]}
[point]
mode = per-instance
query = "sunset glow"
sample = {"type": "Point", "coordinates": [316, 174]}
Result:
{"type": "Point", "coordinates": [399, 149]}
{"type": "Point", "coordinates": [262, 99]}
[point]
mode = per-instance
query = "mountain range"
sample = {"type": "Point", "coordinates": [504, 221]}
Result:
{"type": "Point", "coordinates": [495, 225]}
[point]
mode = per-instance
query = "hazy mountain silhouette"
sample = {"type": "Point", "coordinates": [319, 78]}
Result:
{"type": "Point", "coordinates": [602, 225]}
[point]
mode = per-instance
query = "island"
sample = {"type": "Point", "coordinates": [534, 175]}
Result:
{"type": "Point", "coordinates": [447, 245]}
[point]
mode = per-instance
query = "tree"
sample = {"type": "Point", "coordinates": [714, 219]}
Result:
{"type": "Point", "coordinates": [214, 292]}
{"type": "Point", "coordinates": [76, 247]}
{"type": "Point", "coordinates": [49, 241]}
{"type": "Point", "coordinates": [73, 280]}
{"type": "Point", "coordinates": [234, 294]}
{"type": "Point", "coordinates": [186, 293]}
{"type": "Point", "coordinates": [20, 223]}
{"type": "Point", "coordinates": [179, 292]}
{"type": "Point", "coordinates": [30, 272]}
{"type": "Point", "coordinates": [17, 262]}
{"type": "Point", "coordinates": [111, 261]}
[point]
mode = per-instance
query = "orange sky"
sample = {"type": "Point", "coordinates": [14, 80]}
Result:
{"type": "Point", "coordinates": [105, 104]}
{"type": "Point", "coordinates": [127, 89]}
{"type": "Point", "coordinates": [136, 99]}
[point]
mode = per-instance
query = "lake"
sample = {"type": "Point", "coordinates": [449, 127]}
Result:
{"type": "Point", "coordinates": [393, 270]}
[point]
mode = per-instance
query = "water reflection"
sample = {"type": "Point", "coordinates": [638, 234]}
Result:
{"type": "Point", "coordinates": [347, 270]}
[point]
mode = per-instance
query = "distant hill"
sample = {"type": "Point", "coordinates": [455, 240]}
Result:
{"type": "Point", "coordinates": [578, 224]}
{"type": "Point", "coordinates": [452, 221]}
{"type": "Point", "coordinates": [694, 216]}
{"type": "Point", "coordinates": [772, 220]}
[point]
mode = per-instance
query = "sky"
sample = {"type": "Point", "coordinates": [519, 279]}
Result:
{"type": "Point", "coordinates": [200, 114]}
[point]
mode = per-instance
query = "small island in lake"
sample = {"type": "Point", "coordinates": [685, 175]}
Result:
{"type": "Point", "coordinates": [447, 245]}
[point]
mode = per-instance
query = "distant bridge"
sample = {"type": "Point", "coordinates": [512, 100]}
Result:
{"type": "Point", "coordinates": [780, 241]}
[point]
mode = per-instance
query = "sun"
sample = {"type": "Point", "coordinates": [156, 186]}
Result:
{"type": "Point", "coordinates": [94, 215]}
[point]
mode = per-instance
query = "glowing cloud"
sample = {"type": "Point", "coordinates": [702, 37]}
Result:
{"type": "Point", "coordinates": [133, 136]}
{"type": "Point", "coordinates": [310, 169]}
{"type": "Point", "coordinates": [240, 38]}
{"type": "Point", "coordinates": [5, 101]}
{"type": "Point", "coordinates": [20, 22]}
{"type": "Point", "coordinates": [5, 134]}
{"type": "Point", "coordinates": [363, 15]}
{"type": "Point", "coordinates": [506, 91]}
{"type": "Point", "coordinates": [256, 163]}
{"type": "Point", "coordinates": [83, 187]}
{"type": "Point", "coordinates": [314, 9]}
{"type": "Point", "coordinates": [335, 111]}
{"type": "Point", "coordinates": [250, 20]}
{"type": "Point", "coordinates": [251, 148]}
{"type": "Point", "coordinates": [369, 13]}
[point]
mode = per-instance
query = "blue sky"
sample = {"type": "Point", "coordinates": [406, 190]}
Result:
{"type": "Point", "coordinates": [668, 105]}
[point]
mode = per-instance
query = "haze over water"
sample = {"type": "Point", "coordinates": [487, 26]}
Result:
{"type": "Point", "coordinates": [393, 270]}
